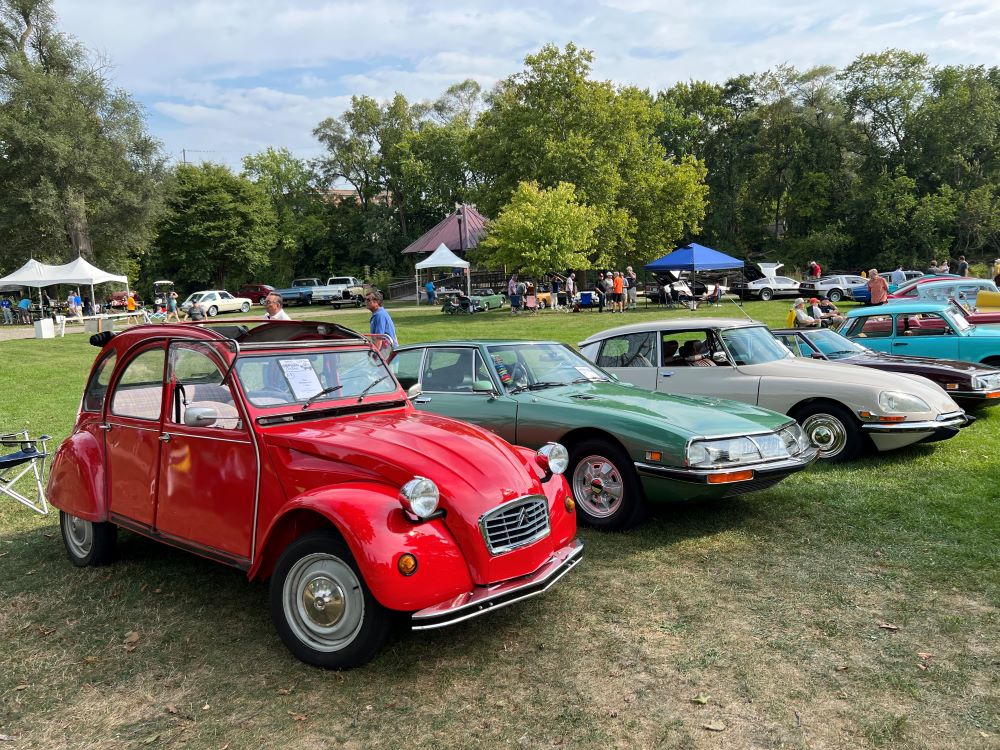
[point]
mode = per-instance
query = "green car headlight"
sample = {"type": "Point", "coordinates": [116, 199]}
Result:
{"type": "Point", "coordinates": [707, 454]}
{"type": "Point", "coordinates": [897, 401]}
{"type": "Point", "coordinates": [794, 439]}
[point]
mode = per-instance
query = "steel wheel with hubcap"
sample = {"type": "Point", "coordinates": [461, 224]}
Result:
{"type": "Point", "coordinates": [766, 294]}
{"type": "Point", "coordinates": [833, 430]}
{"type": "Point", "coordinates": [86, 542]}
{"type": "Point", "coordinates": [213, 311]}
{"type": "Point", "coordinates": [322, 608]}
{"type": "Point", "coordinates": [605, 485]}
{"type": "Point", "coordinates": [835, 295]}
{"type": "Point", "coordinates": [245, 307]}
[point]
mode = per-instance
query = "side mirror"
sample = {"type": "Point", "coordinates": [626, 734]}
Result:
{"type": "Point", "coordinates": [413, 391]}
{"type": "Point", "coordinates": [200, 416]}
{"type": "Point", "coordinates": [720, 358]}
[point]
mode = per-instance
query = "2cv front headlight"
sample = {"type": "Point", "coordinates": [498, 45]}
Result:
{"type": "Point", "coordinates": [420, 496]}
{"type": "Point", "coordinates": [553, 457]}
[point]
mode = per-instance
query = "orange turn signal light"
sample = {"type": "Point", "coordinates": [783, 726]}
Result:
{"type": "Point", "coordinates": [570, 504]}
{"type": "Point", "coordinates": [993, 394]}
{"type": "Point", "coordinates": [654, 456]}
{"type": "Point", "coordinates": [892, 419]}
{"type": "Point", "coordinates": [734, 476]}
{"type": "Point", "coordinates": [407, 564]}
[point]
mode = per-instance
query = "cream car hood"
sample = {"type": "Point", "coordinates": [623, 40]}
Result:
{"type": "Point", "coordinates": [787, 381]}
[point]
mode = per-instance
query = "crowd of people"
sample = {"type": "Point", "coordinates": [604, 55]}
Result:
{"type": "Point", "coordinates": [614, 290]}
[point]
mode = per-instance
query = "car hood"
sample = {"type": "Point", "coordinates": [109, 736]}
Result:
{"type": "Point", "coordinates": [925, 364]}
{"type": "Point", "coordinates": [694, 415]}
{"type": "Point", "coordinates": [985, 330]}
{"type": "Point", "coordinates": [474, 469]}
{"type": "Point", "coordinates": [820, 371]}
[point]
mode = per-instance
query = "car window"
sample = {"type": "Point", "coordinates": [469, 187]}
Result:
{"type": "Point", "coordinates": [225, 295]}
{"type": "Point", "coordinates": [139, 391]}
{"type": "Point", "coordinates": [921, 324]}
{"type": "Point", "coordinates": [753, 345]}
{"type": "Point", "coordinates": [872, 327]}
{"type": "Point", "coordinates": [448, 370]}
{"type": "Point", "coordinates": [632, 350]}
{"type": "Point", "coordinates": [543, 365]}
{"type": "Point", "coordinates": [794, 344]}
{"type": "Point", "coordinates": [675, 345]}
{"type": "Point", "coordinates": [784, 280]}
{"type": "Point", "coordinates": [406, 367]}
{"type": "Point", "coordinates": [97, 388]}
{"type": "Point", "coordinates": [341, 280]}
{"type": "Point", "coordinates": [198, 383]}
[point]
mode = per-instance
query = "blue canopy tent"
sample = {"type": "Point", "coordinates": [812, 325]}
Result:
{"type": "Point", "coordinates": [694, 257]}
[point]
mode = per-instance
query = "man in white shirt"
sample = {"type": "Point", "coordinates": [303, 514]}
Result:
{"type": "Point", "coordinates": [898, 277]}
{"type": "Point", "coordinates": [802, 318]}
{"type": "Point", "coordinates": [273, 305]}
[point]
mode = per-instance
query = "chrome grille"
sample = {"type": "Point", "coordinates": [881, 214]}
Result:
{"type": "Point", "coordinates": [515, 524]}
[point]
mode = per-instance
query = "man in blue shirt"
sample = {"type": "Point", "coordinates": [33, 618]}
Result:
{"type": "Point", "coordinates": [380, 321]}
{"type": "Point", "coordinates": [430, 291]}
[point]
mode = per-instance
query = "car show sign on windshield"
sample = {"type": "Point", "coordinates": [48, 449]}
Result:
{"type": "Point", "coordinates": [302, 377]}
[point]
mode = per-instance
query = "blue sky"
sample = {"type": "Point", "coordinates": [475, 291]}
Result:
{"type": "Point", "coordinates": [225, 78]}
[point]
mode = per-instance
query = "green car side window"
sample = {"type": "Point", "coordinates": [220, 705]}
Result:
{"type": "Point", "coordinates": [406, 367]}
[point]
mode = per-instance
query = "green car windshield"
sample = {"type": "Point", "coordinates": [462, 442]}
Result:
{"type": "Point", "coordinates": [523, 365]}
{"type": "Point", "coordinates": [754, 345]}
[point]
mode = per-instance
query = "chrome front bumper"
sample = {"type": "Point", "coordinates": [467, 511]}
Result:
{"type": "Point", "coordinates": [770, 470]}
{"type": "Point", "coordinates": [483, 599]}
{"type": "Point", "coordinates": [950, 423]}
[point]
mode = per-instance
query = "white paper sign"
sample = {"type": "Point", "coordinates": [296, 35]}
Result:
{"type": "Point", "coordinates": [587, 373]}
{"type": "Point", "coordinates": [302, 377]}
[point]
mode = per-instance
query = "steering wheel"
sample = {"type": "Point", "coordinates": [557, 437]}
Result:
{"type": "Point", "coordinates": [269, 397]}
{"type": "Point", "coordinates": [519, 376]}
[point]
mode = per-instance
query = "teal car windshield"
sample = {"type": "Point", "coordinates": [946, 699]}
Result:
{"type": "Point", "coordinates": [522, 365]}
{"type": "Point", "coordinates": [957, 319]}
{"type": "Point", "coordinates": [754, 345]}
{"type": "Point", "coordinates": [294, 378]}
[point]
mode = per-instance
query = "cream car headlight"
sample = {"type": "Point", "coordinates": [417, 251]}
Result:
{"type": "Point", "coordinates": [708, 454]}
{"type": "Point", "coordinates": [420, 496]}
{"type": "Point", "coordinates": [553, 457]}
{"type": "Point", "coordinates": [897, 401]}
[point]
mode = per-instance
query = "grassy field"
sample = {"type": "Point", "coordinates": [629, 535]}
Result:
{"type": "Point", "coordinates": [848, 607]}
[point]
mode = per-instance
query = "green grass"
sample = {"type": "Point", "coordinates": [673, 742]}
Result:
{"type": "Point", "coordinates": [768, 605]}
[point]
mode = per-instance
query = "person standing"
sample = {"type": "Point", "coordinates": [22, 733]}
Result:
{"type": "Point", "coordinates": [555, 291]}
{"type": "Point", "coordinates": [570, 290]}
{"type": "Point", "coordinates": [274, 305]}
{"type": "Point", "coordinates": [130, 308]}
{"type": "Point", "coordinates": [172, 307]}
{"type": "Point", "coordinates": [963, 267]}
{"type": "Point", "coordinates": [599, 291]}
{"type": "Point", "coordinates": [380, 321]}
{"type": "Point", "coordinates": [429, 288]}
{"type": "Point", "coordinates": [618, 287]}
{"type": "Point", "coordinates": [898, 277]}
{"type": "Point", "coordinates": [631, 287]}
{"type": "Point", "coordinates": [878, 288]}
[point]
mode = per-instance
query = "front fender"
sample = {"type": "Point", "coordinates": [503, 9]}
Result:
{"type": "Point", "coordinates": [76, 479]}
{"type": "Point", "coordinates": [378, 532]}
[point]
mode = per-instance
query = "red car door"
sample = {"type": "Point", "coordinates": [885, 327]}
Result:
{"type": "Point", "coordinates": [208, 471]}
{"type": "Point", "coordinates": [132, 436]}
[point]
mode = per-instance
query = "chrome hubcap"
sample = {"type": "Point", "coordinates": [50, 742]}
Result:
{"type": "Point", "coordinates": [324, 603]}
{"type": "Point", "coordinates": [79, 536]}
{"type": "Point", "coordinates": [827, 433]}
{"type": "Point", "coordinates": [598, 486]}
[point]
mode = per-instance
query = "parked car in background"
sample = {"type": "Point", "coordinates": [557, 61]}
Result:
{"type": "Point", "coordinates": [970, 385]}
{"type": "Point", "coordinates": [909, 289]}
{"type": "Point", "coordinates": [341, 290]}
{"type": "Point", "coordinates": [834, 288]}
{"type": "Point", "coordinates": [924, 328]}
{"type": "Point", "coordinates": [486, 298]}
{"type": "Point", "coordinates": [626, 446]}
{"type": "Point", "coordinates": [300, 292]}
{"type": "Point", "coordinates": [963, 290]}
{"type": "Point", "coordinates": [287, 450]}
{"type": "Point", "coordinates": [756, 284]}
{"type": "Point", "coordinates": [842, 408]}
{"type": "Point", "coordinates": [254, 292]}
{"type": "Point", "coordinates": [215, 301]}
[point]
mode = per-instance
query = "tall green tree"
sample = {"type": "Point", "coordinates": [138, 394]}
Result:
{"type": "Point", "coordinates": [540, 230]}
{"type": "Point", "coordinates": [81, 175]}
{"type": "Point", "coordinates": [218, 227]}
{"type": "Point", "coordinates": [551, 123]}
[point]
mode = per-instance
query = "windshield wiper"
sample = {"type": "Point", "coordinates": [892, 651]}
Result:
{"type": "Point", "coordinates": [324, 392]}
{"type": "Point", "coordinates": [545, 384]}
{"type": "Point", "coordinates": [368, 387]}
{"type": "Point", "coordinates": [590, 380]}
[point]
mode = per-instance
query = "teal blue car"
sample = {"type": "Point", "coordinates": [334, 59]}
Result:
{"type": "Point", "coordinates": [626, 445]}
{"type": "Point", "coordinates": [924, 328]}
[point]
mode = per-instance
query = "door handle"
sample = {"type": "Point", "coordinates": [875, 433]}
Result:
{"type": "Point", "coordinates": [422, 400]}
{"type": "Point", "coordinates": [106, 427]}
{"type": "Point", "coordinates": [165, 437]}
{"type": "Point", "coordinates": [666, 374]}
{"type": "Point", "coordinates": [900, 343]}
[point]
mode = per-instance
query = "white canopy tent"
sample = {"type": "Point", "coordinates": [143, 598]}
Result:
{"type": "Point", "coordinates": [440, 258]}
{"type": "Point", "coordinates": [78, 271]}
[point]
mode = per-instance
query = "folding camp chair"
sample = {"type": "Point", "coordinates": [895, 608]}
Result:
{"type": "Point", "coordinates": [531, 303]}
{"type": "Point", "coordinates": [26, 459]}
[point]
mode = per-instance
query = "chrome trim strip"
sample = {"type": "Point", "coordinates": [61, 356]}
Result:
{"type": "Point", "coordinates": [928, 426]}
{"type": "Point", "coordinates": [483, 599]}
{"type": "Point", "coordinates": [135, 426]}
{"type": "Point", "coordinates": [700, 476]}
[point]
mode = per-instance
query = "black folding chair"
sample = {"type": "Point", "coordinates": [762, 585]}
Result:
{"type": "Point", "coordinates": [22, 457]}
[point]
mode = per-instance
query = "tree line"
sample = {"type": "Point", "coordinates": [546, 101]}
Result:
{"type": "Point", "coordinates": [888, 160]}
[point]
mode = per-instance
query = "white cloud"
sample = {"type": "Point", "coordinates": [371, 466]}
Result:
{"type": "Point", "coordinates": [239, 75]}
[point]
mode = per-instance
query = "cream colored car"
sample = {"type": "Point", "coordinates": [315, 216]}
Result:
{"type": "Point", "coordinates": [841, 407]}
{"type": "Point", "coordinates": [215, 301]}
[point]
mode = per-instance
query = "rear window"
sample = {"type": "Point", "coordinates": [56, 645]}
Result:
{"type": "Point", "coordinates": [341, 280]}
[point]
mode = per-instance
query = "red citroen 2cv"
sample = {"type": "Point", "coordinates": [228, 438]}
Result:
{"type": "Point", "coordinates": [288, 449]}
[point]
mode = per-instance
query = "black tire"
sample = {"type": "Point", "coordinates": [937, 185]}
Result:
{"type": "Point", "coordinates": [336, 307]}
{"type": "Point", "coordinates": [605, 486]}
{"type": "Point", "coordinates": [766, 295]}
{"type": "Point", "coordinates": [834, 430]}
{"type": "Point", "coordinates": [835, 295]}
{"type": "Point", "coordinates": [245, 307]}
{"type": "Point", "coordinates": [88, 543]}
{"type": "Point", "coordinates": [315, 571]}
{"type": "Point", "coordinates": [213, 311]}
{"type": "Point", "coordinates": [358, 301]}
{"type": "Point", "coordinates": [992, 361]}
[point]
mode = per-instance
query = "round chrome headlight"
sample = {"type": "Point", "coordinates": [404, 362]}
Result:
{"type": "Point", "coordinates": [420, 496]}
{"type": "Point", "coordinates": [553, 457]}
{"type": "Point", "coordinates": [897, 401]}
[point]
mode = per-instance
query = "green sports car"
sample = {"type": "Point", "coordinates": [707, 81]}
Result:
{"type": "Point", "coordinates": [487, 298]}
{"type": "Point", "coordinates": [625, 444]}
